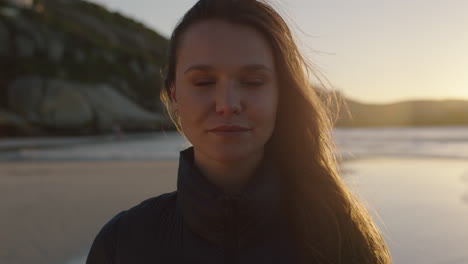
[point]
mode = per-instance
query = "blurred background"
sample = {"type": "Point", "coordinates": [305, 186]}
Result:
{"type": "Point", "coordinates": [83, 134]}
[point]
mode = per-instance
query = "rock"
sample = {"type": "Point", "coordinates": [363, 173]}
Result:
{"type": "Point", "coordinates": [4, 40]}
{"type": "Point", "coordinates": [21, 3]}
{"type": "Point", "coordinates": [136, 39]}
{"type": "Point", "coordinates": [11, 12]}
{"type": "Point", "coordinates": [108, 56]}
{"type": "Point", "coordinates": [13, 125]}
{"type": "Point", "coordinates": [136, 68]}
{"type": "Point", "coordinates": [151, 70]}
{"type": "Point", "coordinates": [89, 23]}
{"type": "Point", "coordinates": [25, 46]}
{"type": "Point", "coordinates": [64, 106]}
{"type": "Point", "coordinates": [113, 108]}
{"type": "Point", "coordinates": [75, 40]}
{"type": "Point", "coordinates": [24, 96]}
{"type": "Point", "coordinates": [8, 119]}
{"type": "Point", "coordinates": [122, 86]}
{"type": "Point", "coordinates": [79, 55]}
{"type": "Point", "coordinates": [26, 27]}
{"type": "Point", "coordinates": [141, 42]}
{"type": "Point", "coordinates": [55, 47]}
{"type": "Point", "coordinates": [69, 105]}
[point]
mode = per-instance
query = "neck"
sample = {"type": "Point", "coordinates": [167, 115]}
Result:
{"type": "Point", "coordinates": [232, 176]}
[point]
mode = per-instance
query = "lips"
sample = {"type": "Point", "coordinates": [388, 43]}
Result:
{"type": "Point", "coordinates": [229, 128]}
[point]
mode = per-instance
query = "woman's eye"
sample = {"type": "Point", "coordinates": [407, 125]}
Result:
{"type": "Point", "coordinates": [204, 83]}
{"type": "Point", "coordinates": [253, 82]}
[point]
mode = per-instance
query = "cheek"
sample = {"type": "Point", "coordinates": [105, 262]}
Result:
{"type": "Point", "coordinates": [193, 109]}
{"type": "Point", "coordinates": [263, 109]}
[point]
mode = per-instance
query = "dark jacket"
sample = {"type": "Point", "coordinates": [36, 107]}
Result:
{"type": "Point", "coordinates": [200, 224]}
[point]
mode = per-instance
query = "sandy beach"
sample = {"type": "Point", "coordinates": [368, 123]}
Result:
{"type": "Point", "coordinates": [51, 211]}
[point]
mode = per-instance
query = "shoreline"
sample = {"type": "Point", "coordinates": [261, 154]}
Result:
{"type": "Point", "coordinates": [355, 143]}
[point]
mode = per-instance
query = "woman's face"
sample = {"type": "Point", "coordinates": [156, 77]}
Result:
{"type": "Point", "coordinates": [226, 91]}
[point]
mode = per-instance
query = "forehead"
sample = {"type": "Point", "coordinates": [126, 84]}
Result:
{"type": "Point", "coordinates": [221, 44]}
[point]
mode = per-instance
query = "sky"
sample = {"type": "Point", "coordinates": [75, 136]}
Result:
{"type": "Point", "coordinates": [373, 51]}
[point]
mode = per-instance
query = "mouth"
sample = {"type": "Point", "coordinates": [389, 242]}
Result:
{"type": "Point", "coordinates": [229, 129]}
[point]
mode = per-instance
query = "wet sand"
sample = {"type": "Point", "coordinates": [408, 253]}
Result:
{"type": "Point", "coordinates": [51, 211]}
{"type": "Point", "coordinates": [422, 205]}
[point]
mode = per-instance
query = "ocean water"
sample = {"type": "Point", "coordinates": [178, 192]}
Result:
{"type": "Point", "coordinates": [145, 146]}
{"type": "Point", "coordinates": [438, 142]}
{"type": "Point", "coordinates": [442, 142]}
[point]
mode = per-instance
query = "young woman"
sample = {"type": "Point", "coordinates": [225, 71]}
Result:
{"type": "Point", "coordinates": [260, 183]}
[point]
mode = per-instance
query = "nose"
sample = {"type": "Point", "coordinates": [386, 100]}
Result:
{"type": "Point", "coordinates": [228, 100]}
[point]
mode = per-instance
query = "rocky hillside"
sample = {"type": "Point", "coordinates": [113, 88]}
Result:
{"type": "Point", "coordinates": [73, 67]}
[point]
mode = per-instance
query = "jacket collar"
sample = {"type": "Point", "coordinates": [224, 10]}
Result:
{"type": "Point", "coordinates": [208, 211]}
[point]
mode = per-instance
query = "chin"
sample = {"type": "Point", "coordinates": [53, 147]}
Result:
{"type": "Point", "coordinates": [233, 153]}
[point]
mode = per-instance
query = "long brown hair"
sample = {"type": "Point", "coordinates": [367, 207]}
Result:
{"type": "Point", "coordinates": [328, 223]}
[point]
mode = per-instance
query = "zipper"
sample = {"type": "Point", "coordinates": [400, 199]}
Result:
{"type": "Point", "coordinates": [230, 230]}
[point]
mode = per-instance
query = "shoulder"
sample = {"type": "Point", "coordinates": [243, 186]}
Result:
{"type": "Point", "coordinates": [132, 224]}
{"type": "Point", "coordinates": [150, 207]}
{"type": "Point", "coordinates": [143, 213]}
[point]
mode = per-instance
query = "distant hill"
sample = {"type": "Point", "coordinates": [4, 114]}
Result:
{"type": "Point", "coordinates": [407, 113]}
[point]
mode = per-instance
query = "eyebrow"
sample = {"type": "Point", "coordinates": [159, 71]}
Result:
{"type": "Point", "coordinates": [249, 67]}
